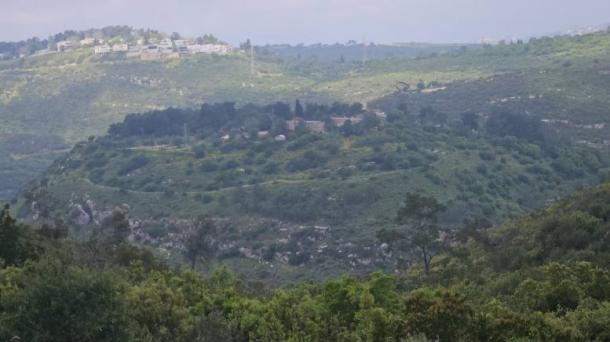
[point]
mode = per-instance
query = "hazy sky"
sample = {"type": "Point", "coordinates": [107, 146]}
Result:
{"type": "Point", "coordinates": [309, 21]}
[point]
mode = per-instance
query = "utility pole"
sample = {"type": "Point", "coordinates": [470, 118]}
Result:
{"type": "Point", "coordinates": [364, 51]}
{"type": "Point", "coordinates": [186, 135]}
{"type": "Point", "coordinates": [251, 59]}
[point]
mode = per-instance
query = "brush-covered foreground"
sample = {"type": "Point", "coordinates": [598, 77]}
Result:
{"type": "Point", "coordinates": [543, 277]}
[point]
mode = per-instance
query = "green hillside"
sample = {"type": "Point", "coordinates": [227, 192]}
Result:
{"type": "Point", "coordinates": [75, 94]}
{"type": "Point", "coordinates": [309, 206]}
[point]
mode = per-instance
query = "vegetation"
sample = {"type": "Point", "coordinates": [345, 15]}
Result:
{"type": "Point", "coordinates": [303, 206]}
{"type": "Point", "coordinates": [420, 215]}
{"type": "Point", "coordinates": [525, 280]}
{"type": "Point", "coordinates": [414, 215]}
{"type": "Point", "coordinates": [76, 94]}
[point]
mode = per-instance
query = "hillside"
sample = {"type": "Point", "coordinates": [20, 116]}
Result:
{"type": "Point", "coordinates": [541, 277]}
{"type": "Point", "coordinates": [75, 94]}
{"type": "Point", "coordinates": [354, 51]}
{"type": "Point", "coordinates": [297, 203]}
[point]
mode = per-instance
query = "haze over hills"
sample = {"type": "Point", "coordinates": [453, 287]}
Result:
{"type": "Point", "coordinates": [173, 188]}
{"type": "Point", "coordinates": [74, 94]}
{"type": "Point", "coordinates": [476, 128]}
{"type": "Point", "coordinates": [71, 94]}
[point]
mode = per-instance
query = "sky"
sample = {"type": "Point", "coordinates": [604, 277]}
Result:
{"type": "Point", "coordinates": [310, 21]}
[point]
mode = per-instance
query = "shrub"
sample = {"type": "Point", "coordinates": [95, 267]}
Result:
{"type": "Point", "coordinates": [133, 164]}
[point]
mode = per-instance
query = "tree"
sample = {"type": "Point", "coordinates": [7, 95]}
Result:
{"type": "Point", "coordinates": [282, 110]}
{"type": "Point", "coordinates": [441, 315]}
{"type": "Point", "coordinates": [347, 129]}
{"type": "Point", "coordinates": [298, 109]}
{"type": "Point", "coordinates": [522, 126]}
{"type": "Point", "coordinates": [60, 303]}
{"type": "Point", "coordinates": [356, 108]}
{"type": "Point", "coordinates": [200, 242]}
{"type": "Point", "coordinates": [58, 230]}
{"type": "Point", "coordinates": [420, 217]}
{"type": "Point", "coordinates": [10, 238]}
{"type": "Point", "coordinates": [426, 113]}
{"type": "Point", "coordinates": [470, 120]}
{"type": "Point", "coordinates": [246, 45]}
{"type": "Point", "coordinates": [118, 226]}
{"type": "Point", "coordinates": [476, 229]}
{"type": "Point", "coordinates": [199, 150]}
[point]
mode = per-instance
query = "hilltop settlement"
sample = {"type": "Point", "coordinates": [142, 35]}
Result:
{"type": "Point", "coordinates": [119, 40]}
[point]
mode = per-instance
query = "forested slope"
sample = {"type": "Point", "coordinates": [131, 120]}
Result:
{"type": "Point", "coordinates": [540, 277]}
{"type": "Point", "coordinates": [292, 204]}
{"type": "Point", "coordinates": [75, 94]}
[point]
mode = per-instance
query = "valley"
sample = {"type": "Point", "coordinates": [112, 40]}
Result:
{"type": "Point", "coordinates": [160, 187]}
{"type": "Point", "coordinates": [77, 94]}
{"type": "Point", "coordinates": [299, 202]}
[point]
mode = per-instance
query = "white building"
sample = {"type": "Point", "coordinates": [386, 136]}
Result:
{"type": "Point", "coordinates": [102, 49]}
{"type": "Point", "coordinates": [181, 42]}
{"type": "Point", "coordinates": [219, 49]}
{"type": "Point", "coordinates": [315, 126]}
{"type": "Point", "coordinates": [87, 42]}
{"type": "Point", "coordinates": [39, 52]}
{"type": "Point", "coordinates": [166, 46]}
{"type": "Point", "coordinates": [380, 114]}
{"type": "Point", "coordinates": [64, 45]}
{"type": "Point", "coordinates": [120, 47]}
{"type": "Point", "coordinates": [134, 51]}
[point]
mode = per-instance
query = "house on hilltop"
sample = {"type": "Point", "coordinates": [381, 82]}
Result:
{"type": "Point", "coordinates": [181, 43]}
{"type": "Point", "coordinates": [87, 42]}
{"type": "Point", "coordinates": [102, 49]}
{"type": "Point", "coordinates": [65, 45]}
{"type": "Point", "coordinates": [339, 121]}
{"type": "Point", "coordinates": [41, 52]}
{"type": "Point", "coordinates": [315, 126]}
{"type": "Point", "coordinates": [218, 49]}
{"type": "Point", "coordinates": [120, 48]}
{"type": "Point", "coordinates": [291, 125]}
{"type": "Point", "coordinates": [166, 46]}
{"type": "Point", "coordinates": [312, 126]}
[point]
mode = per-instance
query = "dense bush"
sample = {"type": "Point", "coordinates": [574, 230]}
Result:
{"type": "Point", "coordinates": [542, 277]}
{"type": "Point", "coordinates": [309, 160]}
{"type": "Point", "coordinates": [133, 164]}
